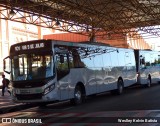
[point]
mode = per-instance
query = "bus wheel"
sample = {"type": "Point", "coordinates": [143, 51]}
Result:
{"type": "Point", "coordinates": [148, 82]}
{"type": "Point", "coordinates": [78, 96]}
{"type": "Point", "coordinates": [120, 87]}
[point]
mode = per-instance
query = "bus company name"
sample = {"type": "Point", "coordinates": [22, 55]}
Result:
{"type": "Point", "coordinates": [29, 46]}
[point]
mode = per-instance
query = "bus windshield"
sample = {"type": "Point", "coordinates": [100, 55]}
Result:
{"type": "Point", "coordinates": [32, 66]}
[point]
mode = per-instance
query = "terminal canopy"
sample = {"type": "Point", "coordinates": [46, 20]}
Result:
{"type": "Point", "coordinates": [85, 16]}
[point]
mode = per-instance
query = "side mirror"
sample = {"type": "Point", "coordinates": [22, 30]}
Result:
{"type": "Point", "coordinates": [6, 65]}
{"type": "Point", "coordinates": [143, 61]}
{"type": "Point", "coordinates": [61, 59]}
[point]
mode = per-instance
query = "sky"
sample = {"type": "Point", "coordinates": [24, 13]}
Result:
{"type": "Point", "coordinates": [152, 40]}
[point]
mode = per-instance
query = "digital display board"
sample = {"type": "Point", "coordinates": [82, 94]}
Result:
{"type": "Point", "coordinates": [31, 46]}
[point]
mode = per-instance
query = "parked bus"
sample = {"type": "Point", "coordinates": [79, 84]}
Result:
{"type": "Point", "coordinates": [147, 66]}
{"type": "Point", "coordinates": [49, 70]}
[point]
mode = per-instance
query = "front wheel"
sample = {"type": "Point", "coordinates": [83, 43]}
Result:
{"type": "Point", "coordinates": [78, 96]}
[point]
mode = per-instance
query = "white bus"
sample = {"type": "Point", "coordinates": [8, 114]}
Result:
{"type": "Point", "coordinates": [148, 67]}
{"type": "Point", "coordinates": [49, 70]}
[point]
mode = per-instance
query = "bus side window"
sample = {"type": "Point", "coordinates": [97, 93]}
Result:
{"type": "Point", "coordinates": [62, 62]}
{"type": "Point", "coordinates": [62, 65]}
{"type": "Point", "coordinates": [76, 59]}
{"type": "Point", "coordinates": [77, 62]}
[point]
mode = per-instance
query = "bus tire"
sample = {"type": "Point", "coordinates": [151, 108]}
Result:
{"type": "Point", "coordinates": [120, 87]}
{"type": "Point", "coordinates": [148, 82]}
{"type": "Point", "coordinates": [78, 96]}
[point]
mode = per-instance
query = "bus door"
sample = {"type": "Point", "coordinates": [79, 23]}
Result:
{"type": "Point", "coordinates": [62, 75]}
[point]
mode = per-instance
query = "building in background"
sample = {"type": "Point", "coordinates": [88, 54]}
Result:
{"type": "Point", "coordinates": [123, 41]}
{"type": "Point", "coordinates": [15, 32]}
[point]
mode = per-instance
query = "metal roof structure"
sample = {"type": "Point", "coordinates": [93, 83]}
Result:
{"type": "Point", "coordinates": [98, 17]}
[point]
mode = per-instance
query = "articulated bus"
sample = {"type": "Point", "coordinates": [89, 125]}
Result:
{"type": "Point", "coordinates": [147, 66]}
{"type": "Point", "coordinates": [50, 70]}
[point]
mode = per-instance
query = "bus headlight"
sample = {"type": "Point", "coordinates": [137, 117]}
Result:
{"type": "Point", "coordinates": [48, 89]}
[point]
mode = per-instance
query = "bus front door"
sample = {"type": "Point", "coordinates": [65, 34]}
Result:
{"type": "Point", "coordinates": [62, 75]}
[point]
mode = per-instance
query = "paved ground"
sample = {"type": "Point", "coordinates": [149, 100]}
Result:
{"type": "Point", "coordinates": [106, 118]}
{"type": "Point", "coordinates": [48, 118]}
{"type": "Point", "coordinates": [7, 105]}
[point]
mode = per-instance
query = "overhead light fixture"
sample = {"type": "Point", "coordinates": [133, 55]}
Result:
{"type": "Point", "coordinates": [12, 13]}
{"type": "Point", "coordinates": [87, 29]}
{"type": "Point", "coordinates": [149, 1]}
{"type": "Point", "coordinates": [57, 22]}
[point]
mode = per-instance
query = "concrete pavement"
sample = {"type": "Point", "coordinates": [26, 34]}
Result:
{"type": "Point", "coordinates": [7, 105]}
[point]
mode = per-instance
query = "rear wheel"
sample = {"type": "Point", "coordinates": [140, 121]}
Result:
{"type": "Point", "coordinates": [148, 82]}
{"type": "Point", "coordinates": [120, 87]}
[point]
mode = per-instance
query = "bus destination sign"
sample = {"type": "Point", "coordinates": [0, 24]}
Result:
{"type": "Point", "coordinates": [29, 46]}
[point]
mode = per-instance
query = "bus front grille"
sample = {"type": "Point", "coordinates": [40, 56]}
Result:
{"type": "Point", "coordinates": [29, 96]}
